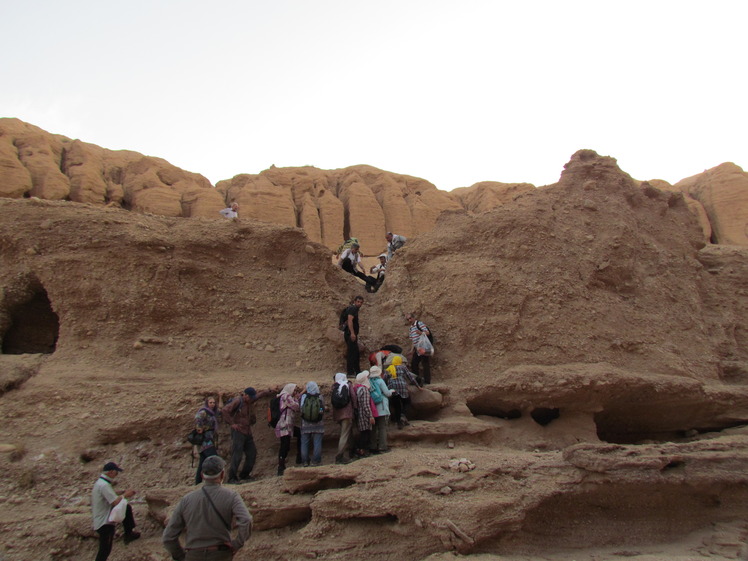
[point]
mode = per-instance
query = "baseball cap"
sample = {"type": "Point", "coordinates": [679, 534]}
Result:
{"type": "Point", "coordinates": [212, 467]}
{"type": "Point", "coordinates": [111, 466]}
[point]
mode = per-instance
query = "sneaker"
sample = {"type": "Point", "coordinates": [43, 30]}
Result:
{"type": "Point", "coordinates": [131, 537]}
{"type": "Point", "coordinates": [342, 460]}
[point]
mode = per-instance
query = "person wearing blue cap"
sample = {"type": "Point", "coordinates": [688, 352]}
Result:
{"type": "Point", "coordinates": [240, 414]}
{"type": "Point", "coordinates": [103, 500]}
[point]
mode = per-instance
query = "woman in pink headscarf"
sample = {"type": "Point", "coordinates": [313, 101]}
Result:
{"type": "Point", "coordinates": [284, 429]}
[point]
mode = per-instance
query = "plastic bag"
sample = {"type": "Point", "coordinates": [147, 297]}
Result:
{"type": "Point", "coordinates": [424, 346]}
{"type": "Point", "coordinates": [117, 514]}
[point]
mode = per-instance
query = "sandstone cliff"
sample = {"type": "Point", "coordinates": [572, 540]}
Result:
{"type": "Point", "coordinates": [330, 205]}
{"type": "Point", "coordinates": [591, 368]}
{"type": "Point", "coordinates": [34, 163]}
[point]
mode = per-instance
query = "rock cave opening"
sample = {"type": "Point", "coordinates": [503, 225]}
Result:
{"type": "Point", "coordinates": [481, 406]}
{"type": "Point", "coordinates": [33, 326]}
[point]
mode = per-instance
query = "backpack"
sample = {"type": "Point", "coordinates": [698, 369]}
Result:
{"type": "Point", "coordinates": [343, 322]}
{"type": "Point", "coordinates": [340, 400]}
{"type": "Point", "coordinates": [274, 412]}
{"type": "Point", "coordinates": [311, 410]}
{"type": "Point", "coordinates": [195, 438]}
{"type": "Point", "coordinates": [346, 244]}
{"type": "Point", "coordinates": [376, 392]}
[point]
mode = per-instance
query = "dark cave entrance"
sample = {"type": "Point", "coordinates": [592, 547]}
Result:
{"type": "Point", "coordinates": [34, 326]}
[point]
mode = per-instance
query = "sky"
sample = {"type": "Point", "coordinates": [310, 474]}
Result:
{"type": "Point", "coordinates": [454, 92]}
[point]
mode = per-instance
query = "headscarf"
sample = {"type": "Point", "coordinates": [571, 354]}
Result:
{"type": "Point", "coordinates": [312, 388]}
{"type": "Point", "coordinates": [363, 379]}
{"type": "Point", "coordinates": [375, 372]}
{"type": "Point", "coordinates": [342, 381]}
{"type": "Point", "coordinates": [397, 360]}
{"type": "Point", "coordinates": [288, 389]}
{"type": "Point", "coordinates": [392, 370]}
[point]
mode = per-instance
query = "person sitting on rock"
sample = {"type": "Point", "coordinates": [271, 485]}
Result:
{"type": "Point", "coordinates": [379, 271]}
{"type": "Point", "coordinates": [350, 259]}
{"type": "Point", "coordinates": [230, 212]}
{"type": "Point", "coordinates": [394, 242]}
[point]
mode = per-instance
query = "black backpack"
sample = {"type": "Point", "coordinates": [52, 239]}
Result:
{"type": "Point", "coordinates": [340, 400]}
{"type": "Point", "coordinates": [343, 322]}
{"type": "Point", "coordinates": [195, 438]}
{"type": "Point", "coordinates": [274, 412]}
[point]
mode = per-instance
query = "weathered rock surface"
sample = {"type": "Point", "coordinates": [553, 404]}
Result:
{"type": "Point", "coordinates": [591, 369]}
{"type": "Point", "coordinates": [723, 191]}
{"type": "Point", "coordinates": [359, 201]}
{"type": "Point", "coordinates": [34, 163]}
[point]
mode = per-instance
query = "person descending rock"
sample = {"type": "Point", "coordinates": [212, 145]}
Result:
{"type": "Point", "coordinates": [417, 328]}
{"type": "Point", "coordinates": [364, 412]}
{"type": "Point", "coordinates": [230, 212]}
{"type": "Point", "coordinates": [379, 271]}
{"type": "Point", "coordinates": [342, 413]}
{"type": "Point", "coordinates": [350, 260]}
{"type": "Point", "coordinates": [206, 423]}
{"type": "Point", "coordinates": [397, 376]}
{"type": "Point", "coordinates": [103, 499]}
{"type": "Point", "coordinates": [207, 515]}
{"type": "Point", "coordinates": [284, 429]}
{"type": "Point", "coordinates": [380, 394]}
{"type": "Point", "coordinates": [240, 414]}
{"type": "Point", "coordinates": [312, 408]}
{"type": "Point", "coordinates": [394, 242]}
{"type": "Point", "coordinates": [350, 332]}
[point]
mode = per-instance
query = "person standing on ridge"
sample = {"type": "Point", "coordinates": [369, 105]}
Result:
{"type": "Point", "coordinates": [350, 333]}
{"type": "Point", "coordinates": [417, 328]}
{"type": "Point", "coordinates": [240, 414]}
{"type": "Point", "coordinates": [231, 211]}
{"type": "Point", "coordinates": [394, 242]}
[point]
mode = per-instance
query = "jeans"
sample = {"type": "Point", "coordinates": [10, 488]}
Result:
{"type": "Point", "coordinates": [242, 444]}
{"type": "Point", "coordinates": [316, 438]}
{"type": "Point", "coordinates": [398, 405]}
{"type": "Point", "coordinates": [207, 453]}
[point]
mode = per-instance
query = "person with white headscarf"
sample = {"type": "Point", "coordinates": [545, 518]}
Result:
{"type": "Point", "coordinates": [342, 413]}
{"type": "Point", "coordinates": [312, 430]}
{"type": "Point", "coordinates": [284, 429]}
{"type": "Point", "coordinates": [364, 409]}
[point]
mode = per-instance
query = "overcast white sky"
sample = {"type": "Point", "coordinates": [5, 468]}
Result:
{"type": "Point", "coordinates": [454, 92]}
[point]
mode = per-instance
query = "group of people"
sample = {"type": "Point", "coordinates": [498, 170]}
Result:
{"type": "Point", "coordinates": [417, 331]}
{"type": "Point", "coordinates": [206, 516]}
{"type": "Point", "coordinates": [350, 261]}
